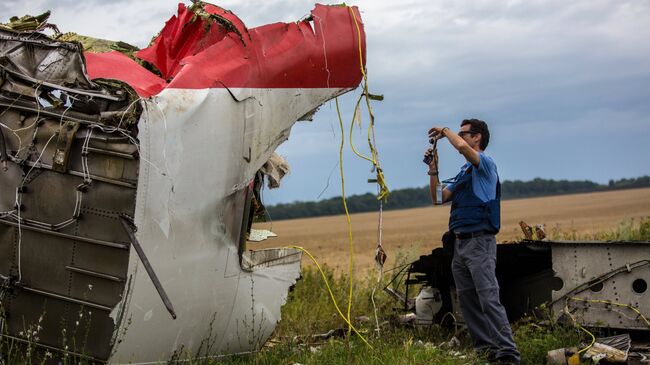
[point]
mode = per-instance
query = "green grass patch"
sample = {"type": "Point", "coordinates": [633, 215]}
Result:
{"type": "Point", "coordinates": [309, 311]}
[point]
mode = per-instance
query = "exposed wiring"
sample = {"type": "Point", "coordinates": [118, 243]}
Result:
{"type": "Point", "coordinates": [19, 203]}
{"type": "Point", "coordinates": [575, 322]}
{"type": "Point", "coordinates": [329, 290]}
{"type": "Point", "coordinates": [380, 258]}
{"type": "Point", "coordinates": [450, 314]}
{"type": "Point", "coordinates": [382, 193]}
{"type": "Point", "coordinates": [383, 189]}
{"type": "Point", "coordinates": [609, 302]}
{"type": "Point", "coordinates": [327, 185]}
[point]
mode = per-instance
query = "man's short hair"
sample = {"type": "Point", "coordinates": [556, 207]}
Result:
{"type": "Point", "coordinates": [480, 127]}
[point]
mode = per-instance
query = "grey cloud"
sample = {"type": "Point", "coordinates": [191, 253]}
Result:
{"type": "Point", "coordinates": [530, 68]}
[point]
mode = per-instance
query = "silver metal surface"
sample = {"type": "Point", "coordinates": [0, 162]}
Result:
{"type": "Point", "coordinates": [598, 283]}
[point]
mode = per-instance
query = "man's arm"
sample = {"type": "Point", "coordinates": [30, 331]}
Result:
{"type": "Point", "coordinates": [458, 142]}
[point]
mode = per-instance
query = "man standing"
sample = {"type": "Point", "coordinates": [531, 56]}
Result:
{"type": "Point", "coordinates": [475, 194]}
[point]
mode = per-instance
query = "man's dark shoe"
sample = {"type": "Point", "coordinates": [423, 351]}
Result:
{"type": "Point", "coordinates": [506, 360]}
{"type": "Point", "coordinates": [488, 354]}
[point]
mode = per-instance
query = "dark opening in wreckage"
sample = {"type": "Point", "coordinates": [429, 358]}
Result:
{"type": "Point", "coordinates": [130, 179]}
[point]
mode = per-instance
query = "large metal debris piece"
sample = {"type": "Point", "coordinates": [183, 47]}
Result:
{"type": "Point", "coordinates": [130, 178]}
{"type": "Point", "coordinates": [598, 284]}
{"type": "Point", "coordinates": [71, 169]}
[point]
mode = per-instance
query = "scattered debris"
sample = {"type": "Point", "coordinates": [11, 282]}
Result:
{"type": "Point", "coordinates": [408, 318]}
{"type": "Point", "coordinates": [600, 284]}
{"type": "Point", "coordinates": [453, 343]}
{"type": "Point", "coordinates": [599, 351]}
{"type": "Point", "coordinates": [336, 333]}
{"type": "Point", "coordinates": [426, 345]}
{"type": "Point", "coordinates": [564, 356]}
{"type": "Point", "coordinates": [533, 233]}
{"type": "Point", "coordinates": [427, 303]}
{"type": "Point", "coordinates": [612, 349]}
{"type": "Point", "coordinates": [258, 235]}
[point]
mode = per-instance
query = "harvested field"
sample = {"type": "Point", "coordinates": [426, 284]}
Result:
{"type": "Point", "coordinates": [417, 231]}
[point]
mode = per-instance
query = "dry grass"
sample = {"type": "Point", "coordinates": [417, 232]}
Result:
{"type": "Point", "coordinates": [418, 231]}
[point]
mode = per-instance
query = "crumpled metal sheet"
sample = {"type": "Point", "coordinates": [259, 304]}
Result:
{"type": "Point", "coordinates": [216, 50]}
{"type": "Point", "coordinates": [50, 61]}
{"type": "Point", "coordinates": [613, 349]}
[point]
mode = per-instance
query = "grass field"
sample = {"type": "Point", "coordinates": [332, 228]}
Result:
{"type": "Point", "coordinates": [417, 231]}
{"type": "Point", "coordinates": [309, 310]}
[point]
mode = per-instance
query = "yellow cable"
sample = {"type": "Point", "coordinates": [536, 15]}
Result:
{"type": "Point", "coordinates": [381, 182]}
{"type": "Point", "coordinates": [631, 307]}
{"type": "Point", "coordinates": [347, 213]}
{"type": "Point", "coordinates": [354, 17]}
{"type": "Point", "coordinates": [329, 290]}
{"type": "Point", "coordinates": [593, 338]}
{"type": "Point", "coordinates": [380, 177]}
{"type": "Point", "coordinates": [354, 114]}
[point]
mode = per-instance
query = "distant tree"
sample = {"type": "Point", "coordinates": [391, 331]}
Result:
{"type": "Point", "coordinates": [419, 197]}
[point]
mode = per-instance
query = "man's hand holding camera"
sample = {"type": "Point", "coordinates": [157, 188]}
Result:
{"type": "Point", "coordinates": [431, 154]}
{"type": "Point", "coordinates": [431, 159]}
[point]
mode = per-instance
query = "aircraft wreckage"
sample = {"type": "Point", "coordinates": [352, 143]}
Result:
{"type": "Point", "coordinates": [594, 283]}
{"type": "Point", "coordinates": [130, 179]}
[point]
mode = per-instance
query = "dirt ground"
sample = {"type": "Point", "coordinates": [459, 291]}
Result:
{"type": "Point", "coordinates": [417, 231]}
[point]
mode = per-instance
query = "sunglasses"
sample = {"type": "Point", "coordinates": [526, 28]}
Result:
{"type": "Point", "coordinates": [462, 133]}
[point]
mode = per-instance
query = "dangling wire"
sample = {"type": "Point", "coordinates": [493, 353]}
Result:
{"type": "Point", "coordinates": [381, 196]}
{"type": "Point", "coordinates": [329, 290]}
{"type": "Point", "coordinates": [383, 191]}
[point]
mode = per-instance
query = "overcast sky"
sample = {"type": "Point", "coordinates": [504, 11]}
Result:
{"type": "Point", "coordinates": [563, 85]}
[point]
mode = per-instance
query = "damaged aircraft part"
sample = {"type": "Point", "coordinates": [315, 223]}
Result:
{"type": "Point", "coordinates": [274, 169]}
{"type": "Point", "coordinates": [60, 241]}
{"type": "Point", "coordinates": [259, 235]}
{"type": "Point", "coordinates": [147, 266]}
{"type": "Point", "coordinates": [176, 152]}
{"type": "Point", "coordinates": [601, 284]}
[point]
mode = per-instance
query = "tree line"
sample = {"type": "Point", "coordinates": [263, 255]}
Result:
{"type": "Point", "coordinates": [419, 197]}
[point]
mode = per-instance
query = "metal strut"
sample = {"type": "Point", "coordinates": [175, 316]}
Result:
{"type": "Point", "coordinates": [126, 223]}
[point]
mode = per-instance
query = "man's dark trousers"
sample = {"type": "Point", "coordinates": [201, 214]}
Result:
{"type": "Point", "coordinates": [473, 267]}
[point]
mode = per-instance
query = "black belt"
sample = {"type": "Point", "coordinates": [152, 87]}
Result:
{"type": "Point", "coordinates": [466, 235]}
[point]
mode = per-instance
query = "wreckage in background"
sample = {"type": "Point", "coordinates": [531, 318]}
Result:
{"type": "Point", "coordinates": [130, 179]}
{"type": "Point", "coordinates": [597, 284]}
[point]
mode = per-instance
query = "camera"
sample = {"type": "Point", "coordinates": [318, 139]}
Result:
{"type": "Point", "coordinates": [428, 157]}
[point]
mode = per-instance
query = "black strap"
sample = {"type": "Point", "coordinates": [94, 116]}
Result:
{"type": "Point", "coordinates": [498, 188]}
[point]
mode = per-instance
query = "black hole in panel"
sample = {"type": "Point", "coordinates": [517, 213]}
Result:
{"type": "Point", "coordinates": [639, 286]}
{"type": "Point", "coordinates": [557, 284]}
{"type": "Point", "coordinates": [596, 287]}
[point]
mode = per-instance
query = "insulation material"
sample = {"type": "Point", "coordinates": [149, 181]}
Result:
{"type": "Point", "coordinates": [275, 169]}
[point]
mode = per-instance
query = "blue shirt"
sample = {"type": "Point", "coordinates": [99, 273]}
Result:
{"type": "Point", "coordinates": [484, 178]}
